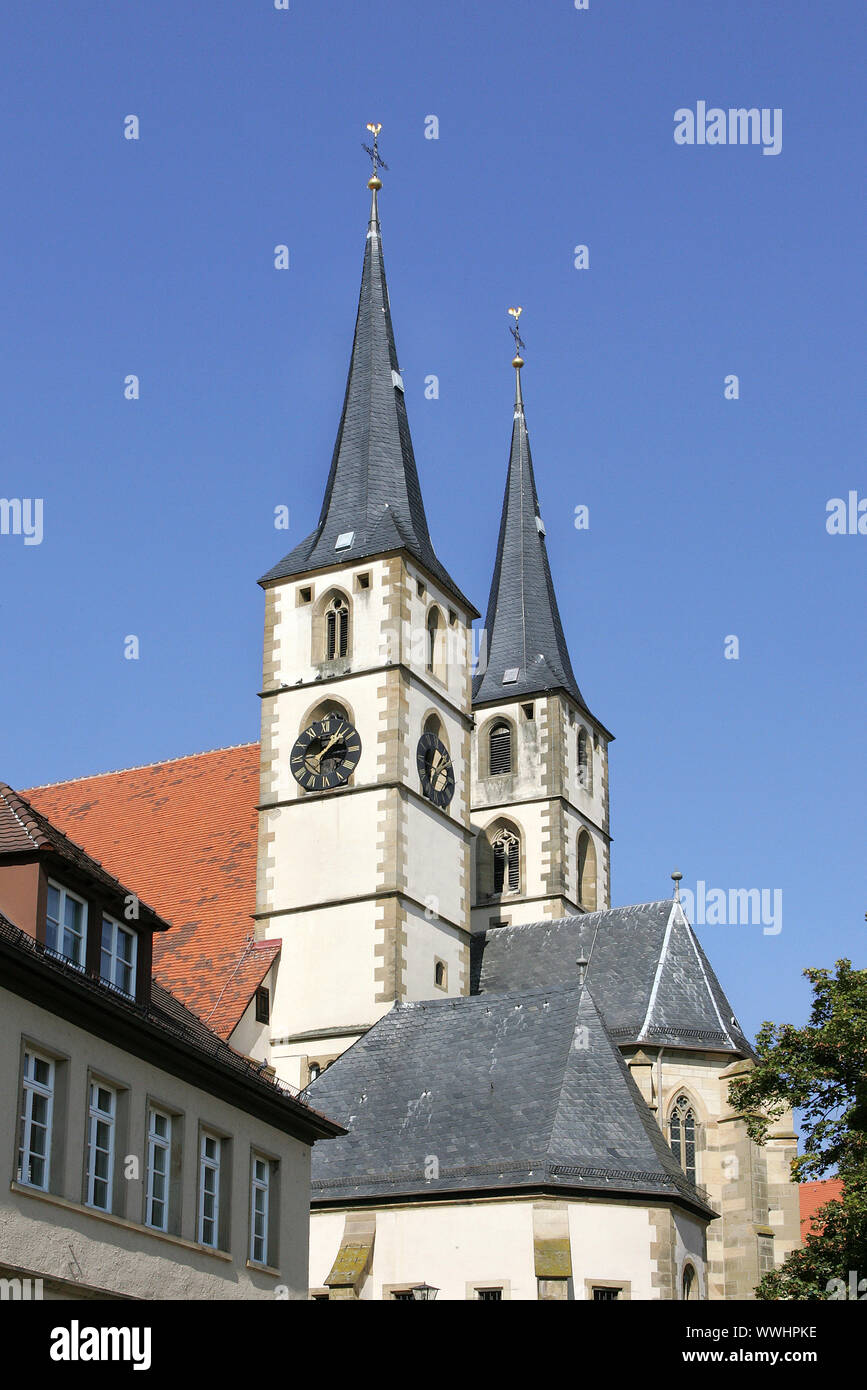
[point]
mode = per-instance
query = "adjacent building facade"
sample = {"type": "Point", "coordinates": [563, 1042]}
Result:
{"type": "Point", "coordinates": [144, 1158]}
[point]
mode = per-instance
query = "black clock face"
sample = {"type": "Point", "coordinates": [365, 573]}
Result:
{"type": "Point", "coordinates": [435, 770]}
{"type": "Point", "coordinates": [325, 754]}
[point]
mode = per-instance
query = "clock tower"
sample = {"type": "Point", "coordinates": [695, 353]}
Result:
{"type": "Point", "coordinates": [364, 820]}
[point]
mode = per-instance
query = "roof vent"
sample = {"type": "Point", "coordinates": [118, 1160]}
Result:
{"type": "Point", "coordinates": [396, 379]}
{"type": "Point", "coordinates": [510, 676]}
{"type": "Point", "coordinates": [540, 526]}
{"type": "Point", "coordinates": [344, 540]}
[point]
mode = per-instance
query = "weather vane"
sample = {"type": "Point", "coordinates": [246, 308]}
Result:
{"type": "Point", "coordinates": [373, 151]}
{"type": "Point", "coordinates": [519, 341]}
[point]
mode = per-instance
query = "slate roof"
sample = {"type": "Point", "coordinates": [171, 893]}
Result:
{"type": "Point", "coordinates": [373, 489]}
{"type": "Point", "coordinates": [182, 834]}
{"type": "Point", "coordinates": [504, 1092]}
{"type": "Point", "coordinates": [647, 970]}
{"type": "Point", "coordinates": [522, 622]}
{"type": "Point", "coordinates": [25, 831]}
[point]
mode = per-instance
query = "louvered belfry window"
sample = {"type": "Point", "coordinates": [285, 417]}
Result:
{"type": "Point", "coordinates": [501, 750]}
{"type": "Point", "coordinates": [336, 630]}
{"type": "Point", "coordinates": [681, 1128]}
{"type": "Point", "coordinates": [507, 862]}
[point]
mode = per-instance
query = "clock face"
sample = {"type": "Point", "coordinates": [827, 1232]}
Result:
{"type": "Point", "coordinates": [435, 770]}
{"type": "Point", "coordinates": [325, 754]}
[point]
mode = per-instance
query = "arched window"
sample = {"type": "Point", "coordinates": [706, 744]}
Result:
{"type": "Point", "coordinates": [332, 627]}
{"type": "Point", "coordinates": [440, 974]}
{"type": "Point", "coordinates": [681, 1135]}
{"type": "Point", "coordinates": [336, 629]}
{"type": "Point", "coordinates": [689, 1285]}
{"type": "Point", "coordinates": [436, 645]}
{"type": "Point", "coordinates": [500, 750]}
{"type": "Point", "coordinates": [585, 761]}
{"type": "Point", "coordinates": [507, 862]}
{"type": "Point", "coordinates": [586, 871]}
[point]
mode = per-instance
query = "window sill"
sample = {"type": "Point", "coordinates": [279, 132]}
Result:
{"type": "Point", "coordinates": [263, 1269]}
{"type": "Point", "coordinates": [83, 1210]}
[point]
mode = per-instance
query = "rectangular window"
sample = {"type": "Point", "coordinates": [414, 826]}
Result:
{"type": "Point", "coordinates": [605, 1295]}
{"type": "Point", "coordinates": [263, 1004]}
{"type": "Point", "coordinates": [37, 1104]}
{"type": "Point", "coordinates": [118, 956]}
{"type": "Point", "coordinates": [260, 1196]}
{"type": "Point", "coordinates": [158, 1162]}
{"type": "Point", "coordinates": [209, 1190]}
{"type": "Point", "coordinates": [101, 1123]}
{"type": "Point", "coordinates": [489, 1295]}
{"type": "Point", "coordinates": [65, 929]}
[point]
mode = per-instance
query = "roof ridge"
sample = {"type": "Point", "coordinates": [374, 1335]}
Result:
{"type": "Point", "coordinates": [140, 767]}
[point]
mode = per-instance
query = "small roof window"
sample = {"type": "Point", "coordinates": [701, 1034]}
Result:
{"type": "Point", "coordinates": [344, 540]}
{"type": "Point", "coordinates": [510, 676]}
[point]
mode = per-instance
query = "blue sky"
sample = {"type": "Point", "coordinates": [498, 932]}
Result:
{"type": "Point", "coordinates": [707, 515]}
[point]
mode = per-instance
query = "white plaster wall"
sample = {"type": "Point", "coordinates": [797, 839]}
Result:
{"type": "Point", "coordinates": [59, 1237]}
{"type": "Point", "coordinates": [249, 1036]}
{"type": "Point", "coordinates": [446, 1246]}
{"type": "Point", "coordinates": [455, 1244]}
{"type": "Point", "coordinates": [325, 850]}
{"type": "Point", "coordinates": [427, 942]}
{"type": "Point", "coordinates": [435, 861]}
{"type": "Point", "coordinates": [611, 1241]}
{"type": "Point", "coordinates": [325, 977]}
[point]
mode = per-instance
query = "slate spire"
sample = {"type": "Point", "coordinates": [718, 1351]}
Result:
{"type": "Point", "coordinates": [525, 641]}
{"type": "Point", "coordinates": [373, 502]}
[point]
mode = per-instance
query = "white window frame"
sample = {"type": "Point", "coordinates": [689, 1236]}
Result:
{"type": "Point", "coordinates": [260, 1188]}
{"type": "Point", "coordinates": [117, 931]}
{"type": "Point", "coordinates": [95, 1117]}
{"type": "Point", "coordinates": [31, 1088]}
{"type": "Point", "coordinates": [208, 1165]}
{"type": "Point", "coordinates": [158, 1143]}
{"type": "Point", "coordinates": [62, 928]}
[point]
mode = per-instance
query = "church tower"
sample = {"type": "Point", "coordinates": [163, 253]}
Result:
{"type": "Point", "coordinates": [540, 758]}
{"type": "Point", "coordinates": [364, 827]}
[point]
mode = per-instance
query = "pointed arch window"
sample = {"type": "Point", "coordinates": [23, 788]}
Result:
{"type": "Point", "coordinates": [500, 750]}
{"type": "Point", "coordinates": [585, 761]}
{"type": "Point", "coordinates": [336, 629]}
{"type": "Point", "coordinates": [682, 1135]}
{"type": "Point", "coordinates": [507, 862]}
{"type": "Point", "coordinates": [587, 892]}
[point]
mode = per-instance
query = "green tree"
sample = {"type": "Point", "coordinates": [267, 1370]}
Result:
{"type": "Point", "coordinates": [821, 1070]}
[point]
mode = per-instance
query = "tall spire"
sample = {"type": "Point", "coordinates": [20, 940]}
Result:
{"type": "Point", "coordinates": [526, 648]}
{"type": "Point", "coordinates": [373, 502]}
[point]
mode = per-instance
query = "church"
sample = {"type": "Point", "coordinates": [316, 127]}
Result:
{"type": "Point", "coordinates": [533, 1084]}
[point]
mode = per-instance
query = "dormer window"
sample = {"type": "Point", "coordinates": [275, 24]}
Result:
{"type": "Point", "coordinates": [118, 956]}
{"type": "Point", "coordinates": [65, 924]}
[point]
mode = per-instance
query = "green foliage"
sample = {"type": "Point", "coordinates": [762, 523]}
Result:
{"type": "Point", "coordinates": [821, 1070]}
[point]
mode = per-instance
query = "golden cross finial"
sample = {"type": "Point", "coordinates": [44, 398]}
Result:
{"type": "Point", "coordinates": [373, 150]}
{"type": "Point", "coordinates": [519, 341]}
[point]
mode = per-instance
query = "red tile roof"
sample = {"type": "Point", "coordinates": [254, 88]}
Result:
{"type": "Point", "coordinates": [24, 830]}
{"type": "Point", "coordinates": [814, 1195]}
{"type": "Point", "coordinates": [182, 834]}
